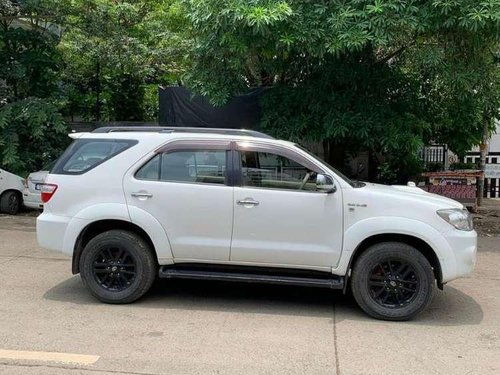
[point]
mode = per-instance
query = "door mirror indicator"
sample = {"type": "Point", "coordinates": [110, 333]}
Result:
{"type": "Point", "coordinates": [325, 184]}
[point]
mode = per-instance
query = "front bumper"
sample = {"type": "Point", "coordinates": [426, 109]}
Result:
{"type": "Point", "coordinates": [463, 248]}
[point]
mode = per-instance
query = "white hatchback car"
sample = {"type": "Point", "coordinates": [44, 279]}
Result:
{"type": "Point", "coordinates": [11, 196]}
{"type": "Point", "coordinates": [130, 204]}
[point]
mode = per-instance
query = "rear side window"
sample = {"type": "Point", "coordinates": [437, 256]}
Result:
{"type": "Point", "coordinates": [84, 154]}
{"type": "Point", "coordinates": [200, 166]}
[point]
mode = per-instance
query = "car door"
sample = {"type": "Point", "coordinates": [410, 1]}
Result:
{"type": "Point", "coordinates": [280, 218]}
{"type": "Point", "coordinates": [185, 187]}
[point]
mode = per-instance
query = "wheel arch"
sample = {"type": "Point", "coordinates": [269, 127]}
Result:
{"type": "Point", "coordinates": [416, 242]}
{"type": "Point", "coordinates": [101, 226]}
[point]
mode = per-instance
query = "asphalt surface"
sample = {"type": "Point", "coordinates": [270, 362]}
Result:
{"type": "Point", "coordinates": [47, 319]}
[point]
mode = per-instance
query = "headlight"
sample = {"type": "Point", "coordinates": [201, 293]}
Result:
{"type": "Point", "coordinates": [459, 218]}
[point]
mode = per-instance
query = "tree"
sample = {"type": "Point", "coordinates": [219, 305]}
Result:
{"type": "Point", "coordinates": [32, 131]}
{"type": "Point", "coordinates": [92, 59]}
{"type": "Point", "coordinates": [379, 75]}
{"type": "Point", "coordinates": [113, 51]}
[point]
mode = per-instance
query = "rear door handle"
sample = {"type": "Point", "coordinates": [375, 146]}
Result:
{"type": "Point", "coordinates": [248, 201]}
{"type": "Point", "coordinates": [141, 194]}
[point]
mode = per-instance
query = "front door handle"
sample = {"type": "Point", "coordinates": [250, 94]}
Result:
{"type": "Point", "coordinates": [248, 202]}
{"type": "Point", "coordinates": [142, 194]}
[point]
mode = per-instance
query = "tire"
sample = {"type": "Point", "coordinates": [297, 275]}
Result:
{"type": "Point", "coordinates": [375, 278]}
{"type": "Point", "coordinates": [118, 267]}
{"type": "Point", "coordinates": [10, 202]}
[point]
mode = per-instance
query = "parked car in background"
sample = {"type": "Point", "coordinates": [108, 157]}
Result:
{"type": "Point", "coordinates": [31, 193]}
{"type": "Point", "coordinates": [11, 192]}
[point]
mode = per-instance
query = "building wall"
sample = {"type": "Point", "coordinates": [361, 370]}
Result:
{"type": "Point", "coordinates": [495, 140]}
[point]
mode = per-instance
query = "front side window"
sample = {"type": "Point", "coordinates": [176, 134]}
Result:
{"type": "Point", "coordinates": [268, 170]}
{"type": "Point", "coordinates": [197, 166]}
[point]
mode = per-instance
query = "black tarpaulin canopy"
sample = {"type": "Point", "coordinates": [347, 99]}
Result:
{"type": "Point", "coordinates": [178, 107]}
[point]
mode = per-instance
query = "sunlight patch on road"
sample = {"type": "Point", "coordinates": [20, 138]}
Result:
{"type": "Point", "coordinates": [19, 355]}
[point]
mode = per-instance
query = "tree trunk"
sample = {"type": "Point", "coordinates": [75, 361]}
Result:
{"type": "Point", "coordinates": [483, 148]}
{"type": "Point", "coordinates": [334, 154]}
{"type": "Point", "coordinates": [98, 92]}
{"type": "Point", "coordinates": [372, 165]}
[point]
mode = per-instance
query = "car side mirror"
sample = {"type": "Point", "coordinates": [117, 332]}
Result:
{"type": "Point", "coordinates": [325, 184]}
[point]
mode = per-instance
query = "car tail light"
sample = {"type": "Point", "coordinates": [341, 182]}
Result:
{"type": "Point", "coordinates": [47, 191]}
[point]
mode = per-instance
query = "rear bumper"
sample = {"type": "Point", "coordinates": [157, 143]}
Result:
{"type": "Point", "coordinates": [32, 200]}
{"type": "Point", "coordinates": [463, 246]}
{"type": "Point", "coordinates": [50, 232]}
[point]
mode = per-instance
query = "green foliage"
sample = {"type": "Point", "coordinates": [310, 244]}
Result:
{"type": "Point", "coordinates": [345, 103]}
{"type": "Point", "coordinates": [90, 59]}
{"type": "Point", "coordinates": [386, 173]}
{"type": "Point", "coordinates": [112, 50]}
{"type": "Point", "coordinates": [151, 103]}
{"type": "Point", "coordinates": [434, 167]}
{"type": "Point", "coordinates": [460, 166]}
{"type": "Point", "coordinates": [32, 132]}
{"type": "Point", "coordinates": [383, 75]}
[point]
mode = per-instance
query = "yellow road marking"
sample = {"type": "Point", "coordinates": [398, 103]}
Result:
{"type": "Point", "coordinates": [80, 359]}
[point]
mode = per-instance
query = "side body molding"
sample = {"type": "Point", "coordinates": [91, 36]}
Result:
{"type": "Point", "coordinates": [363, 229]}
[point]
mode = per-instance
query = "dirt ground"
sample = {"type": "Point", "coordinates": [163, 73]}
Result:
{"type": "Point", "coordinates": [487, 219]}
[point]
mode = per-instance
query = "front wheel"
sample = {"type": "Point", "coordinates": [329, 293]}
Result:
{"type": "Point", "coordinates": [392, 281]}
{"type": "Point", "coordinates": [118, 266]}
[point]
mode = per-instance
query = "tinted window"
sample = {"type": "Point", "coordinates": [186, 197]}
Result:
{"type": "Point", "coordinates": [186, 166]}
{"type": "Point", "coordinates": [266, 170]}
{"type": "Point", "coordinates": [85, 154]}
{"type": "Point", "coordinates": [150, 170]}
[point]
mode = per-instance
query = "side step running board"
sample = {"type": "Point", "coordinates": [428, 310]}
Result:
{"type": "Point", "coordinates": [335, 282]}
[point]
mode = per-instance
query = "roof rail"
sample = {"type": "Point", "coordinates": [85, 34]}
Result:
{"type": "Point", "coordinates": [171, 129]}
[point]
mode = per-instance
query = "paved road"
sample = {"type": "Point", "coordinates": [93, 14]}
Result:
{"type": "Point", "coordinates": [188, 327]}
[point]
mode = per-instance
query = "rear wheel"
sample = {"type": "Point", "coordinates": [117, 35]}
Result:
{"type": "Point", "coordinates": [118, 266]}
{"type": "Point", "coordinates": [392, 281]}
{"type": "Point", "coordinates": [10, 202]}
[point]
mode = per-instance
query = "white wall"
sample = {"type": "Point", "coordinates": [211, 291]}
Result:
{"type": "Point", "coordinates": [495, 140]}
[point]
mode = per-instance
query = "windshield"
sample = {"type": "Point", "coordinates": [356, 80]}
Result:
{"type": "Point", "coordinates": [341, 175]}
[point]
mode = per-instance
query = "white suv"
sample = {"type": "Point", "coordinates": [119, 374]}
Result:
{"type": "Point", "coordinates": [130, 204]}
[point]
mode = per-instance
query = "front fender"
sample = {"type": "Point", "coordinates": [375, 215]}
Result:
{"type": "Point", "coordinates": [366, 228]}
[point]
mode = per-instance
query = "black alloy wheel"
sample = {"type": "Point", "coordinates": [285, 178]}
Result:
{"type": "Point", "coordinates": [393, 283]}
{"type": "Point", "coordinates": [118, 266]}
{"type": "Point", "coordinates": [114, 268]}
